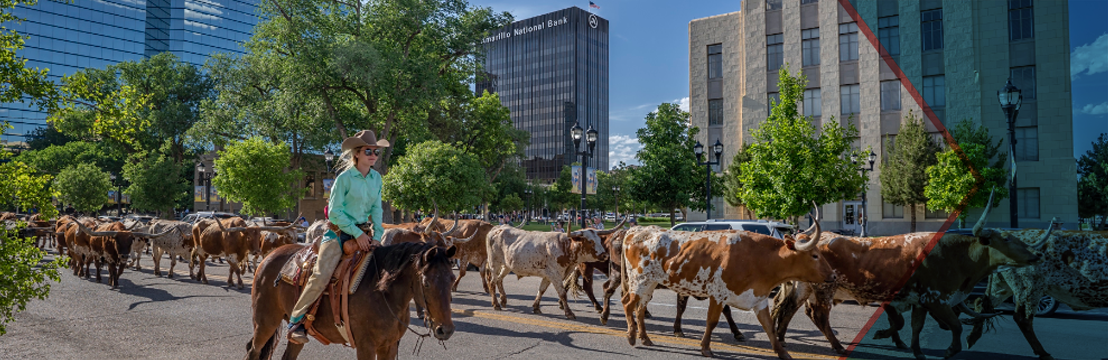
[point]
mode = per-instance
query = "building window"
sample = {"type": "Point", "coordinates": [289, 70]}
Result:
{"type": "Point", "coordinates": [812, 103]}
{"type": "Point", "coordinates": [715, 61]}
{"type": "Point", "coordinates": [810, 46]}
{"type": "Point", "coordinates": [890, 211]}
{"type": "Point", "coordinates": [1020, 23]}
{"type": "Point", "coordinates": [773, 5]}
{"type": "Point", "coordinates": [890, 95]}
{"type": "Point", "coordinates": [931, 27]}
{"type": "Point", "coordinates": [1024, 79]}
{"type": "Point", "coordinates": [937, 214]}
{"type": "Point", "coordinates": [888, 30]}
{"type": "Point", "coordinates": [934, 90]}
{"type": "Point", "coordinates": [848, 42]}
{"type": "Point", "coordinates": [1028, 203]}
{"type": "Point", "coordinates": [1027, 143]}
{"type": "Point", "coordinates": [775, 51]}
{"type": "Point", "coordinates": [802, 2]}
{"type": "Point", "coordinates": [850, 99]}
{"type": "Point", "coordinates": [771, 99]}
{"type": "Point", "coordinates": [715, 112]}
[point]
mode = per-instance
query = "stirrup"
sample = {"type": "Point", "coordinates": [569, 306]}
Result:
{"type": "Point", "coordinates": [298, 334]}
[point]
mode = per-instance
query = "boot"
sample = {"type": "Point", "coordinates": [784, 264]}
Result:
{"type": "Point", "coordinates": [297, 334]}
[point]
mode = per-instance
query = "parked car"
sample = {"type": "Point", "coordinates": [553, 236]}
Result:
{"type": "Point", "coordinates": [141, 218]}
{"type": "Point", "coordinates": [774, 229]}
{"type": "Point", "coordinates": [197, 216]}
{"type": "Point", "coordinates": [1046, 307]}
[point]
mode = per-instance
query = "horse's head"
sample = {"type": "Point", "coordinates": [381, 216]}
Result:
{"type": "Point", "coordinates": [436, 277]}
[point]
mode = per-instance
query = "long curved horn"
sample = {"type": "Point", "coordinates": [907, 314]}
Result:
{"type": "Point", "coordinates": [434, 218]}
{"type": "Point", "coordinates": [521, 222]}
{"type": "Point", "coordinates": [614, 228]}
{"type": "Point", "coordinates": [154, 236]}
{"type": "Point", "coordinates": [221, 228]}
{"type": "Point", "coordinates": [1046, 235]}
{"type": "Point", "coordinates": [465, 240]}
{"type": "Point", "coordinates": [274, 228]}
{"type": "Point", "coordinates": [128, 228]}
{"type": "Point", "coordinates": [452, 228]}
{"type": "Point", "coordinates": [95, 233]}
{"type": "Point", "coordinates": [811, 244]}
{"type": "Point", "coordinates": [981, 223]}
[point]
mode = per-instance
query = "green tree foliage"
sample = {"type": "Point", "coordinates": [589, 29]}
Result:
{"type": "Point", "coordinates": [29, 189]}
{"type": "Point", "coordinates": [608, 198]}
{"type": "Point", "coordinates": [24, 275]}
{"type": "Point", "coordinates": [511, 203]}
{"type": "Point", "coordinates": [83, 186]}
{"type": "Point", "coordinates": [1092, 184]}
{"type": "Point", "coordinates": [54, 159]}
{"type": "Point", "coordinates": [512, 180]}
{"type": "Point", "coordinates": [17, 82]}
{"type": "Point", "coordinates": [560, 196]}
{"type": "Point", "coordinates": [256, 173]}
{"type": "Point", "coordinates": [43, 137]}
{"type": "Point", "coordinates": [485, 130]}
{"type": "Point", "coordinates": [951, 185]}
{"type": "Point", "coordinates": [731, 184]}
{"type": "Point", "coordinates": [156, 182]}
{"type": "Point", "coordinates": [433, 170]}
{"type": "Point", "coordinates": [97, 106]}
{"type": "Point", "coordinates": [669, 177]}
{"type": "Point", "coordinates": [904, 171]}
{"type": "Point", "coordinates": [791, 166]}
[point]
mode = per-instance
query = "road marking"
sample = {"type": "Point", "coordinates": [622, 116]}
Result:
{"type": "Point", "coordinates": [657, 338]}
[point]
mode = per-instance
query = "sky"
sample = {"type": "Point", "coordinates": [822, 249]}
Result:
{"type": "Point", "coordinates": [649, 60]}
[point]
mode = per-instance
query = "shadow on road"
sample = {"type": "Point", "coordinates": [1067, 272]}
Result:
{"type": "Point", "coordinates": [153, 294]}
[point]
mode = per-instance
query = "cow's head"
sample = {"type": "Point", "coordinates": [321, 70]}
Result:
{"type": "Point", "coordinates": [587, 245]}
{"type": "Point", "coordinates": [120, 236]}
{"type": "Point", "coordinates": [801, 254]}
{"type": "Point", "coordinates": [251, 234]}
{"type": "Point", "coordinates": [1003, 247]}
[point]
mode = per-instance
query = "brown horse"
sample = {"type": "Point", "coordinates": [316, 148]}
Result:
{"type": "Point", "coordinates": [397, 274]}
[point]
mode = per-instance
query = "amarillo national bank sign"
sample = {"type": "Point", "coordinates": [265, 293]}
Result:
{"type": "Point", "coordinates": [523, 30]}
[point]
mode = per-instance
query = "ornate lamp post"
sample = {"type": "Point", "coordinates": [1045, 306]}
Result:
{"type": "Point", "coordinates": [590, 138]}
{"type": "Point", "coordinates": [205, 178]}
{"type": "Point", "coordinates": [118, 193]}
{"type": "Point", "coordinates": [328, 157]}
{"type": "Point", "coordinates": [864, 215]}
{"type": "Point", "coordinates": [1010, 100]}
{"type": "Point", "coordinates": [699, 151]}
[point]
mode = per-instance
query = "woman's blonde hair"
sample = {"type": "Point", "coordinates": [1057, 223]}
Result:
{"type": "Point", "coordinates": [346, 161]}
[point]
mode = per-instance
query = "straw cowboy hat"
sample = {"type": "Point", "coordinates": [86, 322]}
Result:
{"type": "Point", "coordinates": [363, 138]}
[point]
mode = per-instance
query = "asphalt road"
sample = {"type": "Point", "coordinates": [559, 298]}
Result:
{"type": "Point", "coordinates": [160, 318]}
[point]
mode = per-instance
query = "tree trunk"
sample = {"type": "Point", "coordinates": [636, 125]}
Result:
{"type": "Point", "coordinates": [913, 207]}
{"type": "Point", "coordinates": [672, 221]}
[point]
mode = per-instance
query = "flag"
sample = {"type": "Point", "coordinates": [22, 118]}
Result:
{"type": "Point", "coordinates": [593, 5]}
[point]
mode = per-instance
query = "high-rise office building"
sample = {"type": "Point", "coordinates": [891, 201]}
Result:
{"type": "Point", "coordinates": [551, 71]}
{"type": "Point", "coordinates": [66, 37]}
{"type": "Point", "coordinates": [955, 55]}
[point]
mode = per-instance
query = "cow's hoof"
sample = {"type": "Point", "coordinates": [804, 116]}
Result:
{"type": "Point", "coordinates": [204, 281]}
{"type": "Point", "coordinates": [158, 274]}
{"type": "Point", "coordinates": [603, 320]}
{"type": "Point", "coordinates": [921, 357]}
{"type": "Point", "coordinates": [740, 337]}
{"type": "Point", "coordinates": [599, 309]}
{"type": "Point", "coordinates": [951, 352]}
{"type": "Point", "coordinates": [631, 339]}
{"type": "Point", "coordinates": [882, 334]}
{"type": "Point", "coordinates": [707, 353]}
{"type": "Point", "coordinates": [679, 334]}
{"type": "Point", "coordinates": [496, 307]}
{"type": "Point", "coordinates": [646, 315]}
{"type": "Point", "coordinates": [536, 311]}
{"type": "Point", "coordinates": [170, 275]}
{"type": "Point", "coordinates": [900, 344]}
{"type": "Point", "coordinates": [647, 342]}
{"type": "Point", "coordinates": [571, 316]}
{"type": "Point", "coordinates": [1046, 357]}
{"type": "Point", "coordinates": [840, 350]}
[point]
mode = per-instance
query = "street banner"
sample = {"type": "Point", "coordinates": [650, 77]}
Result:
{"type": "Point", "coordinates": [215, 195]}
{"type": "Point", "coordinates": [198, 194]}
{"type": "Point", "coordinates": [327, 183]}
{"type": "Point", "coordinates": [590, 185]}
{"type": "Point", "coordinates": [111, 196]}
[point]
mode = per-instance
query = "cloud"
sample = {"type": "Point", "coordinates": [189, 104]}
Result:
{"type": "Point", "coordinates": [1091, 109]}
{"type": "Point", "coordinates": [623, 148]}
{"type": "Point", "coordinates": [1091, 58]}
{"type": "Point", "coordinates": [637, 112]}
{"type": "Point", "coordinates": [683, 102]}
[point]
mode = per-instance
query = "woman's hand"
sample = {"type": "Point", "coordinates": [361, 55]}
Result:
{"type": "Point", "coordinates": [366, 243]}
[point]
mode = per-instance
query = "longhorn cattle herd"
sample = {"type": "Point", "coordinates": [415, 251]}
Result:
{"type": "Point", "coordinates": [924, 272]}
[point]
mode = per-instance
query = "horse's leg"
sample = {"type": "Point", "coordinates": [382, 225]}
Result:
{"type": "Point", "coordinates": [542, 288]}
{"type": "Point", "coordinates": [292, 351]}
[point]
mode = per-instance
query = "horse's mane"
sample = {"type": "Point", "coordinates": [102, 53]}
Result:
{"type": "Point", "coordinates": [391, 260]}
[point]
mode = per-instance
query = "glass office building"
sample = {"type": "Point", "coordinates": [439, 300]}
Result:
{"type": "Point", "coordinates": [551, 71]}
{"type": "Point", "coordinates": [67, 37]}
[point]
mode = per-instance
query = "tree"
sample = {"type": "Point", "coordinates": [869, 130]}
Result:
{"type": "Point", "coordinates": [54, 159]}
{"type": "Point", "coordinates": [669, 176]}
{"type": "Point", "coordinates": [791, 166]}
{"type": "Point", "coordinates": [17, 82]}
{"type": "Point", "coordinates": [560, 196]}
{"type": "Point", "coordinates": [43, 137]}
{"type": "Point", "coordinates": [433, 170]}
{"type": "Point", "coordinates": [952, 186]}
{"type": "Point", "coordinates": [904, 171]}
{"type": "Point", "coordinates": [1092, 184]}
{"type": "Point", "coordinates": [156, 182]}
{"type": "Point", "coordinates": [731, 184]}
{"type": "Point", "coordinates": [256, 173]}
{"type": "Point", "coordinates": [83, 186]}
{"type": "Point", "coordinates": [511, 203]}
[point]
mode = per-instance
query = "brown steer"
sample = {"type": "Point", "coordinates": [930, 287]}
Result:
{"type": "Point", "coordinates": [230, 238]}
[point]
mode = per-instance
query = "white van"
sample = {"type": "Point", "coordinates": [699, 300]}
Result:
{"type": "Point", "coordinates": [774, 229]}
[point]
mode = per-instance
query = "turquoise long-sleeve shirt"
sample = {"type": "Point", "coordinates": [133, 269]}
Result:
{"type": "Point", "coordinates": [355, 199]}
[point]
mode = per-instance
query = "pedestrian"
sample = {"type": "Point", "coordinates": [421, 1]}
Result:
{"type": "Point", "coordinates": [561, 226]}
{"type": "Point", "coordinates": [355, 196]}
{"type": "Point", "coordinates": [304, 222]}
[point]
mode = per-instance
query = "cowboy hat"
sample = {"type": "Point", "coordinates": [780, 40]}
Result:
{"type": "Point", "coordinates": [363, 138]}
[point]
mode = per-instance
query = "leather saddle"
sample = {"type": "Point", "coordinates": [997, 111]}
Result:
{"type": "Point", "coordinates": [344, 281]}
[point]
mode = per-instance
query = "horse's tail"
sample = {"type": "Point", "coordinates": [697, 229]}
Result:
{"type": "Point", "coordinates": [267, 350]}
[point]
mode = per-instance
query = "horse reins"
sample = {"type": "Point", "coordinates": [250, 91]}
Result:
{"type": "Point", "coordinates": [419, 343]}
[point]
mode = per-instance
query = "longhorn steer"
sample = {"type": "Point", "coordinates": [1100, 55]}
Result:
{"type": "Point", "coordinates": [230, 238]}
{"type": "Point", "coordinates": [178, 243]}
{"type": "Point", "coordinates": [875, 269]}
{"type": "Point", "coordinates": [471, 252]}
{"type": "Point", "coordinates": [111, 244]}
{"type": "Point", "coordinates": [1073, 270]}
{"type": "Point", "coordinates": [79, 246]}
{"type": "Point", "coordinates": [549, 255]}
{"type": "Point", "coordinates": [731, 267]}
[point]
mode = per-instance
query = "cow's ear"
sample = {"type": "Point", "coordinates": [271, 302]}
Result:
{"type": "Point", "coordinates": [451, 251]}
{"type": "Point", "coordinates": [790, 244]}
{"type": "Point", "coordinates": [984, 240]}
{"type": "Point", "coordinates": [430, 253]}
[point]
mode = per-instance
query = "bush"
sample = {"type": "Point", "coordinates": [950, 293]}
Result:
{"type": "Point", "coordinates": [645, 219]}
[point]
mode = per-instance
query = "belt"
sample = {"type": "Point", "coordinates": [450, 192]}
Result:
{"type": "Point", "coordinates": [365, 227]}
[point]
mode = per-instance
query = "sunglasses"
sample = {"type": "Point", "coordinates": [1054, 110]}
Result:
{"type": "Point", "coordinates": [369, 152]}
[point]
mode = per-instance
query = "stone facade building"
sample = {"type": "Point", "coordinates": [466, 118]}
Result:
{"type": "Point", "coordinates": [955, 55]}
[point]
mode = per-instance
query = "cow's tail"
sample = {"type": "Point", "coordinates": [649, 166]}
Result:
{"type": "Point", "coordinates": [981, 323]}
{"type": "Point", "coordinates": [786, 301]}
{"type": "Point", "coordinates": [571, 284]}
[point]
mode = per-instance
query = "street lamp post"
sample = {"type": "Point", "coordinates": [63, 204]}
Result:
{"type": "Point", "coordinates": [206, 178]}
{"type": "Point", "coordinates": [1010, 101]}
{"type": "Point", "coordinates": [118, 194]}
{"type": "Point", "coordinates": [615, 191]}
{"type": "Point", "coordinates": [527, 192]}
{"type": "Point", "coordinates": [590, 138]}
{"type": "Point", "coordinates": [864, 214]}
{"type": "Point", "coordinates": [328, 156]}
{"type": "Point", "coordinates": [699, 150]}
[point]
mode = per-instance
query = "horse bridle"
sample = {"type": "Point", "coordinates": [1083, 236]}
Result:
{"type": "Point", "coordinates": [427, 322]}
